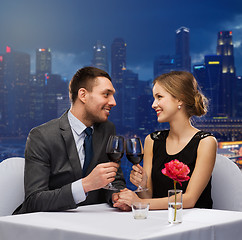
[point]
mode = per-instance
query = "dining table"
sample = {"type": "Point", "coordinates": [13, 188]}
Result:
{"type": "Point", "coordinates": [101, 221]}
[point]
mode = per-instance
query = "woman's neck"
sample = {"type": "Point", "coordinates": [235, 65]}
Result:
{"type": "Point", "coordinates": [182, 128]}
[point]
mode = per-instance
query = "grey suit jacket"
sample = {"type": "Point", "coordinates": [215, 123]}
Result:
{"type": "Point", "coordinates": [52, 164]}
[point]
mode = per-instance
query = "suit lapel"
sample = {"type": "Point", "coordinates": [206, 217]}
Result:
{"type": "Point", "coordinates": [70, 145]}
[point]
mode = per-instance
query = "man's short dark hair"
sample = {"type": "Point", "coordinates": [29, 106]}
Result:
{"type": "Point", "coordinates": [84, 78]}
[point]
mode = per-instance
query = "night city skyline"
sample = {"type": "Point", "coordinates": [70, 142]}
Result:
{"type": "Point", "coordinates": [43, 44]}
{"type": "Point", "coordinates": [70, 35]}
{"type": "Point", "coordinates": [71, 28]}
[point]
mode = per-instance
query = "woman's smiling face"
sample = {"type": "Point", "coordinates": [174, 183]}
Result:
{"type": "Point", "coordinates": [165, 105]}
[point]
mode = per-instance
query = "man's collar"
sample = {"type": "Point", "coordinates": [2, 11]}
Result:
{"type": "Point", "coordinates": [76, 124]}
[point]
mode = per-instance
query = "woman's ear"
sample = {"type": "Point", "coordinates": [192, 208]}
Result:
{"type": "Point", "coordinates": [180, 102]}
{"type": "Point", "coordinates": [82, 94]}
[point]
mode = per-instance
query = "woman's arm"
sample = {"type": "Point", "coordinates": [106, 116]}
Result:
{"type": "Point", "coordinates": [128, 197]}
{"type": "Point", "coordinates": [142, 176]}
{"type": "Point", "coordinates": [147, 166]}
{"type": "Point", "coordinates": [206, 156]}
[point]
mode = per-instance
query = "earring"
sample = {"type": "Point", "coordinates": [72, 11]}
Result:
{"type": "Point", "coordinates": [179, 107]}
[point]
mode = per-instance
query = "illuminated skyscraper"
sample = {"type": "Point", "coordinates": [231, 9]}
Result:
{"type": "Point", "coordinates": [37, 86]}
{"type": "Point", "coordinates": [239, 97]}
{"type": "Point", "coordinates": [129, 103]}
{"type": "Point", "coordinates": [146, 119]}
{"type": "Point", "coordinates": [43, 60]}
{"type": "Point", "coordinates": [183, 59]}
{"type": "Point", "coordinates": [118, 61]}
{"type": "Point", "coordinates": [1, 89]}
{"type": "Point", "coordinates": [209, 77]}
{"type": "Point", "coordinates": [225, 49]}
{"type": "Point", "coordinates": [164, 64]}
{"type": "Point", "coordinates": [52, 89]}
{"type": "Point", "coordinates": [100, 58]}
{"type": "Point", "coordinates": [16, 96]}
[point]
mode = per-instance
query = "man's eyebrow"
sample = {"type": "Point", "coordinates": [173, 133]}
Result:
{"type": "Point", "coordinates": [109, 90]}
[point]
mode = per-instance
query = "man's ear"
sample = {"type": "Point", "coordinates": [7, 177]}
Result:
{"type": "Point", "coordinates": [82, 94]}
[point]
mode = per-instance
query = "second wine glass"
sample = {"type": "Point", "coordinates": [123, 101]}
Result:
{"type": "Point", "coordinates": [115, 151]}
{"type": "Point", "coordinates": [135, 153]}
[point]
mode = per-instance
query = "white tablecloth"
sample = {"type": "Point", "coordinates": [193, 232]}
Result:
{"type": "Point", "coordinates": [102, 222]}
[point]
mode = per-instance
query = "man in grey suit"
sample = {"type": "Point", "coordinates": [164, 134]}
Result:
{"type": "Point", "coordinates": [55, 156]}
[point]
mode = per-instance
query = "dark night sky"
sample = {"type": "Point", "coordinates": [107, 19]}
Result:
{"type": "Point", "coordinates": [71, 27]}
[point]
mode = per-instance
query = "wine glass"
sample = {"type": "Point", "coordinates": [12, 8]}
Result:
{"type": "Point", "coordinates": [135, 153]}
{"type": "Point", "coordinates": [115, 151]}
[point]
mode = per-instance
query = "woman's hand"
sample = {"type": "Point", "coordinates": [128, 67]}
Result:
{"type": "Point", "coordinates": [121, 206]}
{"type": "Point", "coordinates": [138, 176]}
{"type": "Point", "coordinates": [127, 197]}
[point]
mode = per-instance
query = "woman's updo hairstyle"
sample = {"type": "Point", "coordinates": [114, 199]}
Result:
{"type": "Point", "coordinates": [183, 86]}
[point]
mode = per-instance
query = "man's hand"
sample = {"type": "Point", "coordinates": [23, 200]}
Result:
{"type": "Point", "coordinates": [100, 176]}
{"type": "Point", "coordinates": [121, 206]}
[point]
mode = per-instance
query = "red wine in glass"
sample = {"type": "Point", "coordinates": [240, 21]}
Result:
{"type": "Point", "coordinates": [135, 153]}
{"type": "Point", "coordinates": [115, 151]}
{"type": "Point", "coordinates": [115, 156]}
{"type": "Point", "coordinates": [135, 158]}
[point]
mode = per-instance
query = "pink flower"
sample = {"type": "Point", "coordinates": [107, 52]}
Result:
{"type": "Point", "coordinates": [176, 170]}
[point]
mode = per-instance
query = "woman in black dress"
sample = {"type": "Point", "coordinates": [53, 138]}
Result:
{"type": "Point", "coordinates": [176, 99]}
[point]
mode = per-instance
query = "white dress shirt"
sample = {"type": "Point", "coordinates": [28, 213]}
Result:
{"type": "Point", "coordinates": [78, 128]}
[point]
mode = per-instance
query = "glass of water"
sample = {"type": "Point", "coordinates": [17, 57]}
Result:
{"type": "Point", "coordinates": [175, 206]}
